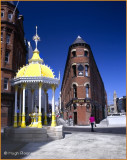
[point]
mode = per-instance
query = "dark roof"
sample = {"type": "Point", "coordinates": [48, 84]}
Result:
{"type": "Point", "coordinates": [8, 3]}
{"type": "Point", "coordinates": [78, 40]}
{"type": "Point", "coordinates": [11, 2]}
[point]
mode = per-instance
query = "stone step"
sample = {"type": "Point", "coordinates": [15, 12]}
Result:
{"type": "Point", "coordinates": [34, 134]}
{"type": "Point", "coordinates": [50, 130]}
{"type": "Point", "coordinates": [51, 134]}
{"type": "Point", "coordinates": [52, 138]}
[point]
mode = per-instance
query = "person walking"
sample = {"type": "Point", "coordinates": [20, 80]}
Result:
{"type": "Point", "coordinates": [92, 120]}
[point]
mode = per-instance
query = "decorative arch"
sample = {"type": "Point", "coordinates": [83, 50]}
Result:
{"type": "Point", "coordinates": [73, 50]}
{"type": "Point", "coordinates": [73, 64]}
{"type": "Point", "coordinates": [86, 64]}
{"type": "Point", "coordinates": [87, 83]}
{"type": "Point", "coordinates": [85, 49]}
{"type": "Point", "coordinates": [74, 83]}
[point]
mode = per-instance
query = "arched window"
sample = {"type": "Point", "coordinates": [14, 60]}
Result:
{"type": "Point", "coordinates": [74, 53]}
{"type": "Point", "coordinates": [7, 56]}
{"type": "Point", "coordinates": [10, 16]}
{"type": "Point", "coordinates": [86, 70]}
{"type": "Point", "coordinates": [74, 91]}
{"type": "Point", "coordinates": [74, 70]}
{"type": "Point", "coordinates": [8, 38]}
{"type": "Point", "coordinates": [86, 53]}
{"type": "Point", "coordinates": [2, 13]}
{"type": "Point", "coordinates": [87, 90]}
{"type": "Point", "coordinates": [6, 83]}
{"type": "Point", "coordinates": [1, 36]}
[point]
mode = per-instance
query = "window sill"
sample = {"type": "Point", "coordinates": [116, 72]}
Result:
{"type": "Point", "coordinates": [73, 57]}
{"type": "Point", "coordinates": [5, 89]}
{"type": "Point", "coordinates": [6, 62]}
{"type": "Point", "coordinates": [81, 76]}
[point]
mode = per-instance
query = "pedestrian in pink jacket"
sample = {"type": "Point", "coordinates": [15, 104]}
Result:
{"type": "Point", "coordinates": [92, 120]}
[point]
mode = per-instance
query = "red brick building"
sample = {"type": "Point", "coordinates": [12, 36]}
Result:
{"type": "Point", "coordinates": [82, 91]}
{"type": "Point", "coordinates": [13, 56]}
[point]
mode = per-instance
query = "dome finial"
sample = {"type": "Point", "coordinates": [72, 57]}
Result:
{"type": "Point", "coordinates": [36, 38]}
{"type": "Point", "coordinates": [59, 75]}
{"type": "Point", "coordinates": [78, 36]}
{"type": "Point", "coordinates": [36, 30]}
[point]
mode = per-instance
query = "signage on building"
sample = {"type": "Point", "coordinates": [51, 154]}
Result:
{"type": "Point", "coordinates": [87, 100]}
{"type": "Point", "coordinates": [78, 100]}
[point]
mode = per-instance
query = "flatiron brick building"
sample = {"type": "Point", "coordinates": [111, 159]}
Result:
{"type": "Point", "coordinates": [82, 91]}
{"type": "Point", "coordinates": [13, 56]}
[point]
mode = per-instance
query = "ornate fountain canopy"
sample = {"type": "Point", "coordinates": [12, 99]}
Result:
{"type": "Point", "coordinates": [36, 71]}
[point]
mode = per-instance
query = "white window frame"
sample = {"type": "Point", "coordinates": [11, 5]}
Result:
{"type": "Point", "coordinates": [6, 83]}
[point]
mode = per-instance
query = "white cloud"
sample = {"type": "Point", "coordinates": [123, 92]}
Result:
{"type": "Point", "coordinates": [56, 102]}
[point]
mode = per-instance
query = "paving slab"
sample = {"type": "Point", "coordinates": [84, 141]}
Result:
{"type": "Point", "coordinates": [77, 145]}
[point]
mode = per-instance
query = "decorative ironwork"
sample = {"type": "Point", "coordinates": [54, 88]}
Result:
{"type": "Point", "coordinates": [36, 38]}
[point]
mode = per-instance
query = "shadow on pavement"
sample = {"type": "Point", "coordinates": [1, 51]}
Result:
{"type": "Point", "coordinates": [7, 145]}
{"type": "Point", "coordinates": [111, 130]}
{"type": "Point", "coordinates": [65, 132]}
{"type": "Point", "coordinates": [14, 149]}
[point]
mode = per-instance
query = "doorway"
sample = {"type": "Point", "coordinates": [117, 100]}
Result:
{"type": "Point", "coordinates": [75, 118]}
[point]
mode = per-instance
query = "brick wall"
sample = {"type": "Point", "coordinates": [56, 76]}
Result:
{"type": "Point", "coordinates": [97, 92]}
{"type": "Point", "coordinates": [16, 59]}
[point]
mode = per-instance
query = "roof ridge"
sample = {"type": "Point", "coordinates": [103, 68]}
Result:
{"type": "Point", "coordinates": [78, 40]}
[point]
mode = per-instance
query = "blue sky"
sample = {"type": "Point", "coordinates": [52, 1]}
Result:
{"type": "Point", "coordinates": [101, 24]}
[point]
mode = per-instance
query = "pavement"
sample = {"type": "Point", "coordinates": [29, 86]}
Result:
{"type": "Point", "coordinates": [78, 143]}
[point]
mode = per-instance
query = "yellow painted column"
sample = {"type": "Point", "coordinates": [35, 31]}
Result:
{"type": "Point", "coordinates": [20, 104]}
{"type": "Point", "coordinates": [15, 114]}
{"type": "Point", "coordinates": [45, 116]}
{"type": "Point", "coordinates": [53, 124]}
{"type": "Point", "coordinates": [34, 120]}
{"type": "Point", "coordinates": [39, 114]}
{"type": "Point", "coordinates": [23, 124]}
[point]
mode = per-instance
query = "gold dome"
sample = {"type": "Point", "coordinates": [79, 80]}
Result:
{"type": "Point", "coordinates": [36, 57]}
{"type": "Point", "coordinates": [35, 70]}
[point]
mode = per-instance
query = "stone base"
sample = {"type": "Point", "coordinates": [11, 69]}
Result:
{"type": "Point", "coordinates": [29, 134]}
{"type": "Point", "coordinates": [55, 132]}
